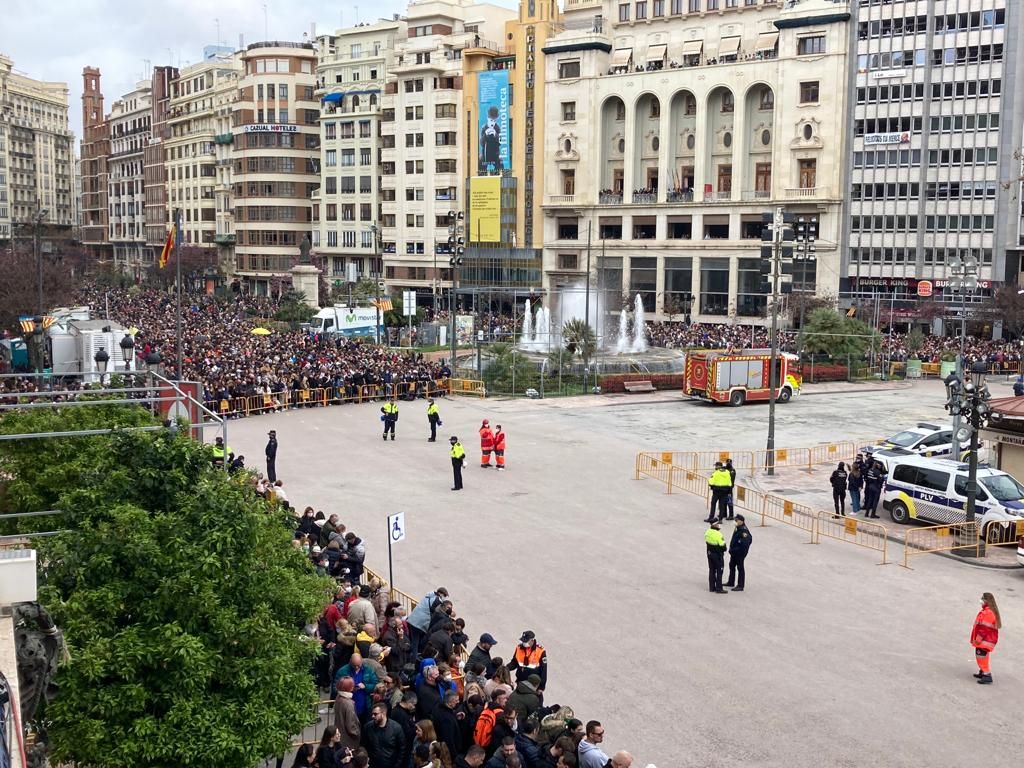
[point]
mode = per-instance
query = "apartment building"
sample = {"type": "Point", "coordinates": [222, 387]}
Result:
{"type": "Point", "coordinates": [352, 70]}
{"type": "Point", "coordinates": [36, 153]}
{"type": "Point", "coordinates": [936, 128]}
{"type": "Point", "coordinates": [95, 150]}
{"type": "Point", "coordinates": [195, 133]}
{"type": "Point", "coordinates": [157, 219]}
{"type": "Point", "coordinates": [671, 126]}
{"type": "Point", "coordinates": [130, 131]}
{"type": "Point", "coordinates": [423, 163]}
{"type": "Point", "coordinates": [275, 155]}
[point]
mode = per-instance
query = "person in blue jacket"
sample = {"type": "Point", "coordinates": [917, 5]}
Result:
{"type": "Point", "coordinates": [419, 619]}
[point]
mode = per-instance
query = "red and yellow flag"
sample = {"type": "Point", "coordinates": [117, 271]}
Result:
{"type": "Point", "coordinates": [165, 254]}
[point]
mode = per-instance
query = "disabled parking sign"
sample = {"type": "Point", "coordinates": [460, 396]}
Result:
{"type": "Point", "coordinates": [396, 527]}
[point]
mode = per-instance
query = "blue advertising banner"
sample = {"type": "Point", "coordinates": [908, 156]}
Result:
{"type": "Point", "coordinates": [495, 147]}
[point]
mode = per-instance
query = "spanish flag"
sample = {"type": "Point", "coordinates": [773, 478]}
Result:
{"type": "Point", "coordinates": [165, 254]}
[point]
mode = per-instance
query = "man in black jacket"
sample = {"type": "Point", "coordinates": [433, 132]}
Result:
{"type": "Point", "coordinates": [405, 715]}
{"type": "Point", "coordinates": [482, 653]}
{"type": "Point", "coordinates": [383, 739]}
{"type": "Point", "coordinates": [428, 693]}
{"type": "Point", "coordinates": [739, 545]}
{"type": "Point", "coordinates": [446, 723]}
{"type": "Point", "coordinates": [271, 453]}
{"type": "Point", "coordinates": [838, 480]}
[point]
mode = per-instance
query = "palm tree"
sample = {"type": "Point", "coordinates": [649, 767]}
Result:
{"type": "Point", "coordinates": [579, 339]}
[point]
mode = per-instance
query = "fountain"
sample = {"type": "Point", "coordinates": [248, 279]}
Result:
{"type": "Point", "coordinates": [622, 342]}
{"type": "Point", "coordinates": [526, 339]}
{"type": "Point", "coordinates": [639, 344]}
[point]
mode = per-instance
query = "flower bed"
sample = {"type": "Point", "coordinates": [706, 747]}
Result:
{"type": "Point", "coordinates": [614, 382]}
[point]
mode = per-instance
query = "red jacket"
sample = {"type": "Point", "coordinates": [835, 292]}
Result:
{"type": "Point", "coordinates": [486, 439]}
{"type": "Point", "coordinates": [499, 441]}
{"type": "Point", "coordinates": [985, 633]}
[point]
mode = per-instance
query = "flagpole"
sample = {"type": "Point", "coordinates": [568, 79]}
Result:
{"type": "Point", "coordinates": [177, 308]}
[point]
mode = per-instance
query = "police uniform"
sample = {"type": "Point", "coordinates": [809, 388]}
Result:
{"type": "Point", "coordinates": [434, 417]}
{"type": "Point", "coordinates": [458, 455]}
{"type": "Point", "coordinates": [720, 483]}
{"type": "Point", "coordinates": [716, 558]}
{"type": "Point", "coordinates": [390, 411]}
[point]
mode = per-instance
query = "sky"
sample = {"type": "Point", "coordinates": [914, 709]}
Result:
{"type": "Point", "coordinates": [54, 39]}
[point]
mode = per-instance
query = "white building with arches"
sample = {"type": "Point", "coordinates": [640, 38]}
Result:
{"type": "Point", "coordinates": [672, 125]}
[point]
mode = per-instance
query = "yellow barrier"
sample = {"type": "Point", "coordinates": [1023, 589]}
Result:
{"type": "Point", "coordinates": [467, 387]}
{"type": "Point", "coordinates": [789, 512]}
{"type": "Point", "coordinates": [653, 466]}
{"type": "Point", "coordinates": [860, 533]}
{"type": "Point", "coordinates": [930, 369]}
{"type": "Point", "coordinates": [941, 538]}
{"type": "Point", "coordinates": [690, 481]}
{"type": "Point", "coordinates": [1004, 534]}
{"type": "Point", "coordinates": [757, 460]}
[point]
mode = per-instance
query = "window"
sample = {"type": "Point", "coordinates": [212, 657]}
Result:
{"type": "Point", "coordinates": [568, 111]}
{"type": "Point", "coordinates": [658, 8]}
{"type": "Point", "coordinates": [727, 102]}
{"type": "Point", "coordinates": [568, 182]}
{"type": "Point", "coordinates": [808, 174]}
{"type": "Point", "coordinates": [809, 46]}
{"type": "Point", "coordinates": [569, 69]}
{"type": "Point", "coordinates": [932, 479]}
{"type": "Point", "coordinates": [624, 12]}
{"type": "Point", "coordinates": [444, 110]}
{"type": "Point", "coordinates": [641, 9]}
{"type": "Point", "coordinates": [809, 92]}
{"type": "Point", "coordinates": [330, 158]}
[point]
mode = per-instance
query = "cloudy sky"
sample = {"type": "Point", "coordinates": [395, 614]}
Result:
{"type": "Point", "coordinates": [54, 39]}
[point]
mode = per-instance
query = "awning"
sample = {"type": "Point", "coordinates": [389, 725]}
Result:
{"type": "Point", "coordinates": [622, 57]}
{"type": "Point", "coordinates": [333, 97]}
{"type": "Point", "coordinates": [656, 52]}
{"type": "Point", "coordinates": [729, 46]}
{"type": "Point", "coordinates": [693, 47]}
{"type": "Point", "coordinates": [766, 41]}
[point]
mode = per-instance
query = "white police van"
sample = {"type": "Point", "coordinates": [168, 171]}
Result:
{"type": "Point", "coordinates": [924, 439]}
{"type": "Point", "coordinates": [935, 491]}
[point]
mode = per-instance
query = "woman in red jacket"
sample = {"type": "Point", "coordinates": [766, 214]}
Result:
{"type": "Point", "coordinates": [985, 635]}
{"type": "Point", "coordinates": [486, 444]}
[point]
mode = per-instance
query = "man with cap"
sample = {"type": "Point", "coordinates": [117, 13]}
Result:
{"type": "Point", "coordinates": [530, 658]}
{"type": "Point", "coordinates": [739, 545]}
{"type": "Point", "coordinates": [716, 557]}
{"type": "Point", "coordinates": [482, 653]}
{"type": "Point", "coordinates": [434, 419]}
{"type": "Point", "coordinates": [458, 456]}
{"type": "Point", "coordinates": [271, 452]}
{"type": "Point", "coordinates": [720, 483]}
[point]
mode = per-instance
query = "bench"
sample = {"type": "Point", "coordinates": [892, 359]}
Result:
{"type": "Point", "coordinates": [638, 386]}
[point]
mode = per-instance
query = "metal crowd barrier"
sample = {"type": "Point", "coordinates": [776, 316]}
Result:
{"type": "Point", "coordinates": [861, 533]}
{"type": "Point", "coordinates": [804, 458]}
{"type": "Point", "coordinates": [789, 512]}
{"type": "Point", "coordinates": [941, 538]}
{"type": "Point", "coordinates": [467, 387]}
{"type": "Point", "coordinates": [1004, 534]}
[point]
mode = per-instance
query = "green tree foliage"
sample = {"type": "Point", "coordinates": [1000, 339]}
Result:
{"type": "Point", "coordinates": [294, 309]}
{"type": "Point", "coordinates": [181, 599]}
{"type": "Point", "coordinates": [828, 332]}
{"type": "Point", "coordinates": [508, 366]}
{"type": "Point", "coordinates": [579, 339]}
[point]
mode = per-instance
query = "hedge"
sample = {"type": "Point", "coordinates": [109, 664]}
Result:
{"type": "Point", "coordinates": [614, 382]}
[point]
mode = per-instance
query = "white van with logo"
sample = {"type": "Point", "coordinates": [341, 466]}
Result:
{"type": "Point", "coordinates": [935, 491]}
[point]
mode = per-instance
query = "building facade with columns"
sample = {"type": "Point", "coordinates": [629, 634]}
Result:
{"type": "Point", "coordinates": [130, 122]}
{"type": "Point", "coordinates": [671, 127]}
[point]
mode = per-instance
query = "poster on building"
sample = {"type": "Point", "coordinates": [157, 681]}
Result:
{"type": "Point", "coordinates": [485, 209]}
{"type": "Point", "coordinates": [493, 96]}
{"type": "Point", "coordinates": [464, 329]}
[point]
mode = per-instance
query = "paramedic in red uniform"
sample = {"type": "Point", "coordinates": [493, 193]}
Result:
{"type": "Point", "coordinates": [486, 444]}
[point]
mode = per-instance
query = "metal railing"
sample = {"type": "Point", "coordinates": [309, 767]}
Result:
{"type": "Point", "coordinates": [942, 538]}
{"type": "Point", "coordinates": [861, 533]}
{"type": "Point", "coordinates": [754, 461]}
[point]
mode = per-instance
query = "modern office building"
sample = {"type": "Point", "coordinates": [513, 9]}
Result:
{"type": "Point", "coordinates": [352, 70]}
{"type": "Point", "coordinates": [423, 164]}
{"type": "Point", "coordinates": [504, 90]}
{"type": "Point", "coordinates": [191, 147]}
{"type": "Point", "coordinates": [671, 127]}
{"type": "Point", "coordinates": [36, 154]}
{"type": "Point", "coordinates": [130, 122]}
{"type": "Point", "coordinates": [275, 155]}
{"type": "Point", "coordinates": [95, 151]}
{"type": "Point", "coordinates": [936, 130]}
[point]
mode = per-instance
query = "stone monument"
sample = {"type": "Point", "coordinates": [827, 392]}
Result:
{"type": "Point", "coordinates": [306, 277]}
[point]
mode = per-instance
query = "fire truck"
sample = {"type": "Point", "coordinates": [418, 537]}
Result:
{"type": "Point", "coordinates": [726, 376]}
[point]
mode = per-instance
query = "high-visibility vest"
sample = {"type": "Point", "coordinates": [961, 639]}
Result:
{"type": "Point", "coordinates": [985, 633]}
{"type": "Point", "coordinates": [391, 409]}
{"type": "Point", "coordinates": [218, 452]}
{"type": "Point", "coordinates": [720, 478]}
{"type": "Point", "coordinates": [458, 452]}
{"type": "Point", "coordinates": [431, 410]}
{"type": "Point", "coordinates": [714, 538]}
{"type": "Point", "coordinates": [529, 658]}
{"type": "Point", "coordinates": [499, 441]}
{"type": "Point", "coordinates": [486, 438]}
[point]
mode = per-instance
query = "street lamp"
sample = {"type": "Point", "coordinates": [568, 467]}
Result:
{"type": "Point", "coordinates": [101, 358]}
{"type": "Point", "coordinates": [456, 249]}
{"type": "Point", "coordinates": [153, 360]}
{"type": "Point", "coordinates": [37, 222]}
{"type": "Point", "coordinates": [967, 398]}
{"type": "Point", "coordinates": [964, 280]}
{"type": "Point", "coordinates": [127, 351]}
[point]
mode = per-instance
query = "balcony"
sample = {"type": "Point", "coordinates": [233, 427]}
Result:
{"type": "Point", "coordinates": [645, 198]}
{"type": "Point", "coordinates": [224, 138]}
{"type": "Point", "coordinates": [224, 239]}
{"type": "Point", "coordinates": [757, 194]}
{"type": "Point", "coordinates": [561, 199]}
{"type": "Point", "coordinates": [803, 193]}
{"type": "Point", "coordinates": [718, 197]}
{"type": "Point", "coordinates": [679, 196]}
{"type": "Point", "coordinates": [609, 198]}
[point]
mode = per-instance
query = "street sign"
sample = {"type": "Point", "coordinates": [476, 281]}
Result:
{"type": "Point", "coordinates": [396, 527]}
{"type": "Point", "coordinates": [409, 303]}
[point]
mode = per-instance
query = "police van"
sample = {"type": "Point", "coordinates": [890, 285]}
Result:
{"type": "Point", "coordinates": [935, 491]}
{"type": "Point", "coordinates": [924, 439]}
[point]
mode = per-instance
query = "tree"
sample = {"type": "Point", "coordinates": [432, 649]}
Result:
{"type": "Point", "coordinates": [294, 309]}
{"type": "Point", "coordinates": [19, 289]}
{"type": "Point", "coordinates": [579, 339]}
{"type": "Point", "coordinates": [1007, 305]}
{"type": "Point", "coordinates": [182, 602]}
{"type": "Point", "coordinates": [828, 332]}
{"type": "Point", "coordinates": [509, 370]}
{"type": "Point", "coordinates": [804, 304]}
{"type": "Point", "coordinates": [914, 342]}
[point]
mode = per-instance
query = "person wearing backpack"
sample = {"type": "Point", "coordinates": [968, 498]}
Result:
{"type": "Point", "coordinates": [483, 733]}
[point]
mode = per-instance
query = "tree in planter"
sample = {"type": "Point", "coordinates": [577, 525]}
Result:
{"type": "Point", "coordinates": [182, 602]}
{"type": "Point", "coordinates": [914, 342]}
{"type": "Point", "coordinates": [579, 339]}
{"type": "Point", "coordinates": [828, 332]}
{"type": "Point", "coordinates": [508, 367]}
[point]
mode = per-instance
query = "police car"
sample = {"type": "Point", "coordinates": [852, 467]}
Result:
{"type": "Point", "coordinates": [925, 439]}
{"type": "Point", "coordinates": [935, 491]}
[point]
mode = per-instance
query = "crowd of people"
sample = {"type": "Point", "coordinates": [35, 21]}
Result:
{"type": "Point", "coordinates": [412, 689]}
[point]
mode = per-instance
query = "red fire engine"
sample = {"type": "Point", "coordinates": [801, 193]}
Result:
{"type": "Point", "coordinates": [735, 378]}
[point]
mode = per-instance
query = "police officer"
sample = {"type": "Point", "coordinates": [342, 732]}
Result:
{"type": "Point", "coordinates": [434, 417]}
{"type": "Point", "coordinates": [716, 557]}
{"type": "Point", "coordinates": [739, 545]}
{"type": "Point", "coordinates": [458, 454]}
{"type": "Point", "coordinates": [720, 484]}
{"type": "Point", "coordinates": [732, 487]}
{"type": "Point", "coordinates": [271, 453]}
{"type": "Point", "coordinates": [221, 452]}
{"type": "Point", "coordinates": [390, 411]}
{"type": "Point", "coordinates": [873, 480]}
{"type": "Point", "coordinates": [838, 480]}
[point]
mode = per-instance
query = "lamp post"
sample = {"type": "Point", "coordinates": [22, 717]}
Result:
{"type": "Point", "coordinates": [964, 280]}
{"type": "Point", "coordinates": [127, 351]}
{"type": "Point", "coordinates": [456, 249]}
{"type": "Point", "coordinates": [37, 223]}
{"type": "Point", "coordinates": [967, 398]}
{"type": "Point", "coordinates": [101, 358]}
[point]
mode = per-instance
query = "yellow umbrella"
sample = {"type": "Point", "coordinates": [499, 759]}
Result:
{"type": "Point", "coordinates": [261, 332]}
